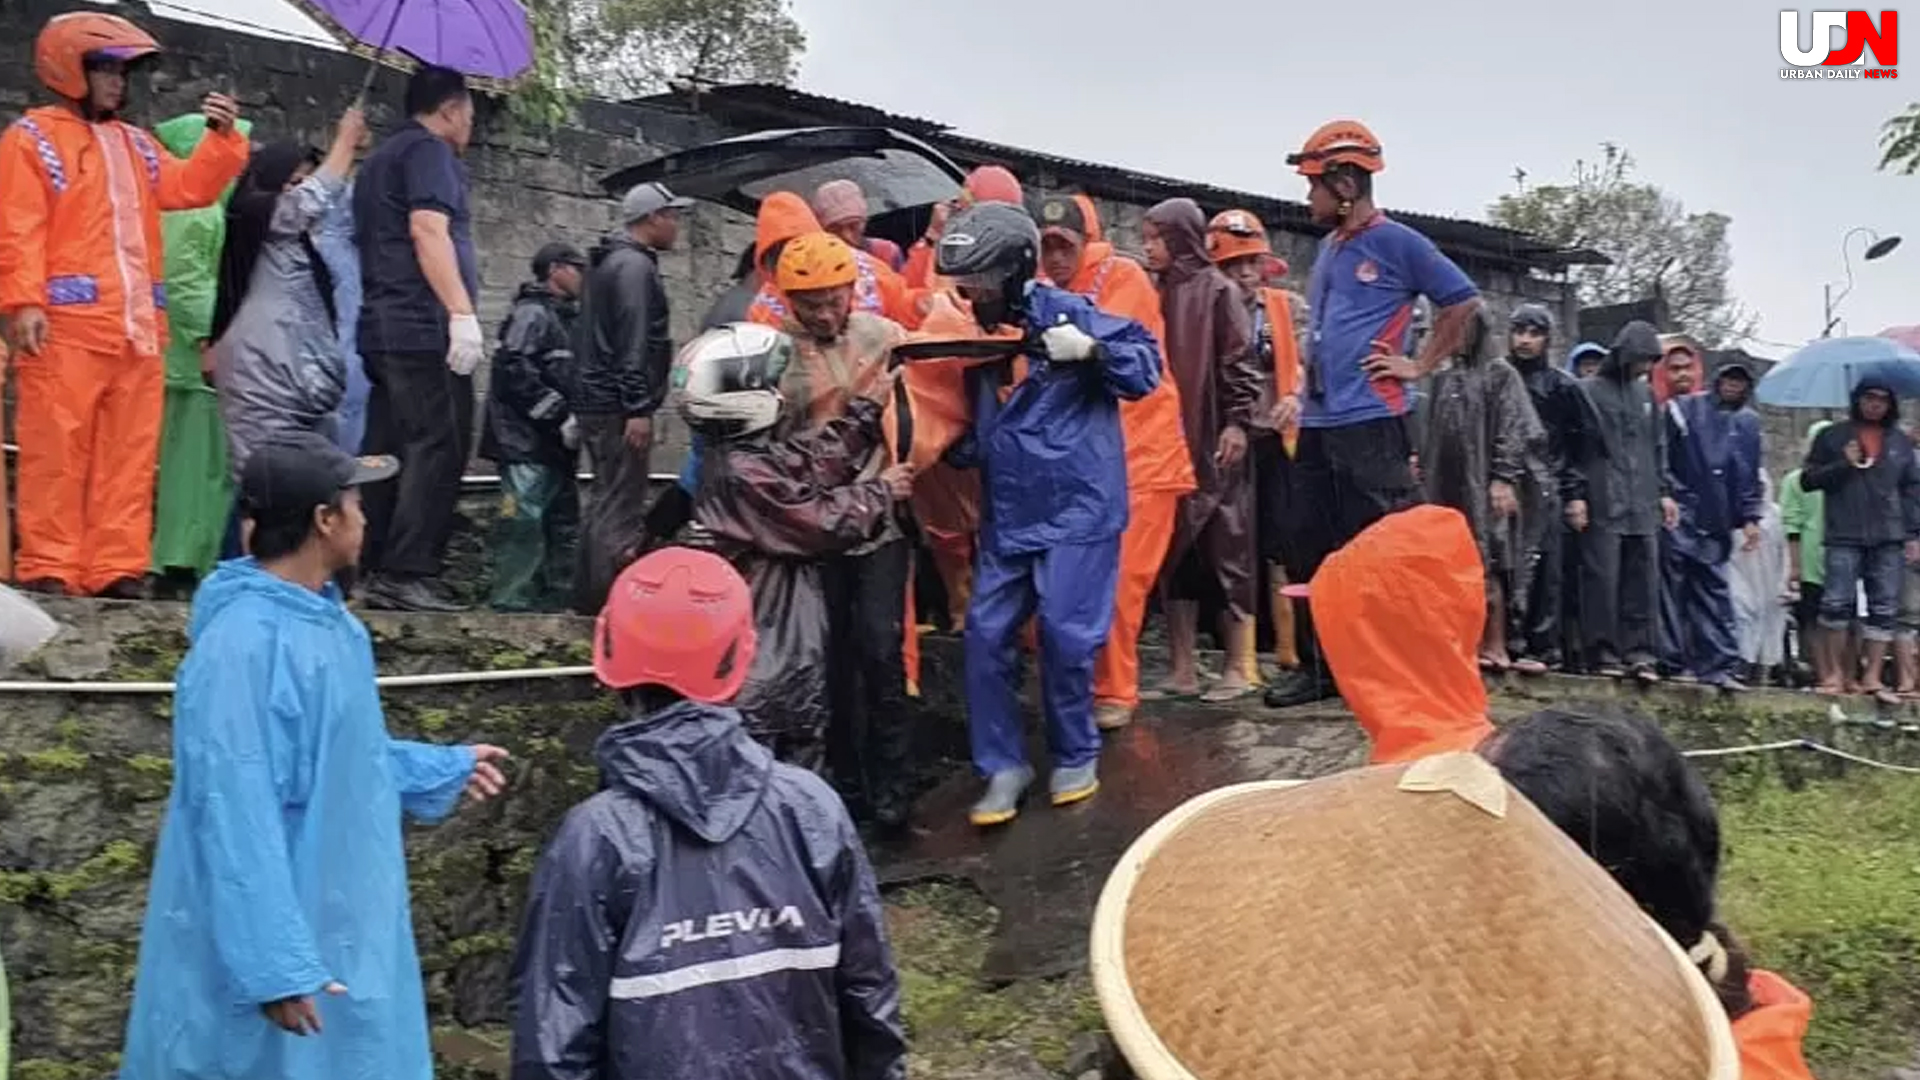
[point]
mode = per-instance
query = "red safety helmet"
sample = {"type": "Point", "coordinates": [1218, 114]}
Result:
{"type": "Point", "coordinates": [1341, 142]}
{"type": "Point", "coordinates": [677, 618]}
{"type": "Point", "coordinates": [65, 44]}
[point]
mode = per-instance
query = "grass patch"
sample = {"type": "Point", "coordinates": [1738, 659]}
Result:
{"type": "Point", "coordinates": [956, 1024]}
{"type": "Point", "coordinates": [1823, 885]}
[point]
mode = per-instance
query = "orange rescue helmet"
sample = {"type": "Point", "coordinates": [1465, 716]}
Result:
{"type": "Point", "coordinates": [1236, 234]}
{"type": "Point", "coordinates": [816, 260]}
{"type": "Point", "coordinates": [1340, 142]}
{"type": "Point", "coordinates": [66, 43]}
{"type": "Point", "coordinates": [677, 618]}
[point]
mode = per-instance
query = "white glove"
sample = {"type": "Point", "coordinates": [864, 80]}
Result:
{"type": "Point", "coordinates": [570, 433]}
{"type": "Point", "coordinates": [1067, 343]}
{"type": "Point", "coordinates": [465, 344]}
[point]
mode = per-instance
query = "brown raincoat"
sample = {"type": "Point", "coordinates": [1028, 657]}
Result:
{"type": "Point", "coordinates": [777, 506]}
{"type": "Point", "coordinates": [1210, 350]}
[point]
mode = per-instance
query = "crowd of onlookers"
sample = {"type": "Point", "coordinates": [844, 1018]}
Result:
{"type": "Point", "coordinates": [1616, 489]}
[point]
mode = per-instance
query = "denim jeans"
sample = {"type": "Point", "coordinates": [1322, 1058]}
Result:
{"type": "Point", "coordinates": [1882, 569]}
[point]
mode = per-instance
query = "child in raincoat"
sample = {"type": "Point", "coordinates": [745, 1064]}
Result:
{"type": "Point", "coordinates": [1758, 578]}
{"type": "Point", "coordinates": [1614, 784]}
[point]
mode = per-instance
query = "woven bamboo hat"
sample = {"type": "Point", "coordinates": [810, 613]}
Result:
{"type": "Point", "coordinates": [1401, 922]}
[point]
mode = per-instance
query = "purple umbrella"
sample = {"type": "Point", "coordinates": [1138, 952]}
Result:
{"type": "Point", "coordinates": [489, 41]}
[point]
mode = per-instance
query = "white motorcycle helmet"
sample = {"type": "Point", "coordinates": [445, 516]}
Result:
{"type": "Point", "coordinates": [728, 380]}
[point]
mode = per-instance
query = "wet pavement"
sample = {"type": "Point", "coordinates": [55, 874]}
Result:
{"type": "Point", "coordinates": [1045, 870]}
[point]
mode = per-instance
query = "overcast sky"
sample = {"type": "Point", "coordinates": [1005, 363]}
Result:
{"type": "Point", "coordinates": [1224, 89]}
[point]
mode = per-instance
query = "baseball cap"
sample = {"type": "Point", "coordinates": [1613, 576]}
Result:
{"type": "Point", "coordinates": [649, 198]}
{"type": "Point", "coordinates": [1060, 213]}
{"type": "Point", "coordinates": [295, 471]}
{"type": "Point", "coordinates": [558, 252]}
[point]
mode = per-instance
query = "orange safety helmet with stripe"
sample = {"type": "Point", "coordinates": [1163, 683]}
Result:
{"type": "Point", "coordinates": [815, 260]}
{"type": "Point", "coordinates": [1339, 142]}
{"type": "Point", "coordinates": [1236, 234]}
{"type": "Point", "coordinates": [68, 41]}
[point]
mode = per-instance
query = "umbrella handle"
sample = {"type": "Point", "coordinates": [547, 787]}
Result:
{"type": "Point", "coordinates": [373, 62]}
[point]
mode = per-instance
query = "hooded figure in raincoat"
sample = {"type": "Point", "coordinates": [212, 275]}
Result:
{"type": "Point", "coordinates": [194, 493]}
{"type": "Point", "coordinates": [1048, 441]}
{"type": "Point", "coordinates": [1212, 358]}
{"type": "Point", "coordinates": [278, 904]}
{"type": "Point", "coordinates": [1713, 458]}
{"type": "Point", "coordinates": [710, 912]}
{"type": "Point", "coordinates": [1627, 493]}
{"type": "Point", "coordinates": [1479, 454]}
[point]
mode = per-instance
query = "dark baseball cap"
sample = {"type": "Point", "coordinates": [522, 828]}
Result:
{"type": "Point", "coordinates": [295, 471]}
{"type": "Point", "coordinates": [1062, 213]}
{"type": "Point", "coordinates": [558, 253]}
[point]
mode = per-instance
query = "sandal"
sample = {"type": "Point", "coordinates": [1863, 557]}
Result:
{"type": "Point", "coordinates": [1529, 666]}
{"type": "Point", "coordinates": [1168, 691]}
{"type": "Point", "coordinates": [1222, 692]}
{"type": "Point", "coordinates": [1495, 666]}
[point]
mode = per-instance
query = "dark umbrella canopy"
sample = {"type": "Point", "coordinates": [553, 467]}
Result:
{"type": "Point", "coordinates": [898, 173]}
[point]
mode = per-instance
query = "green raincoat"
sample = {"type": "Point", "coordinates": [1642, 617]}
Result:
{"type": "Point", "coordinates": [195, 493]}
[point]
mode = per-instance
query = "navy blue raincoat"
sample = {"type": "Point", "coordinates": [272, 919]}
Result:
{"type": "Point", "coordinates": [1053, 456]}
{"type": "Point", "coordinates": [710, 915]}
{"type": "Point", "coordinates": [280, 865]}
{"type": "Point", "coordinates": [1715, 469]}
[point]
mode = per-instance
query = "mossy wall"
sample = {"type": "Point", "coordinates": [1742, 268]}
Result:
{"type": "Point", "coordinates": [84, 779]}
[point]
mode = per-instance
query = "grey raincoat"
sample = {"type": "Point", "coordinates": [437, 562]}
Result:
{"type": "Point", "coordinates": [279, 366]}
{"type": "Point", "coordinates": [708, 914]}
{"type": "Point", "coordinates": [1478, 426]}
{"type": "Point", "coordinates": [1627, 482]}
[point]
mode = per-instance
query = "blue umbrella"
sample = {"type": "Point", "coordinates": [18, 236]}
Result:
{"type": "Point", "coordinates": [1823, 374]}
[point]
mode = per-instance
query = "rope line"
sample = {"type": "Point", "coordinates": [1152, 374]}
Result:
{"type": "Point", "coordinates": [1802, 744]}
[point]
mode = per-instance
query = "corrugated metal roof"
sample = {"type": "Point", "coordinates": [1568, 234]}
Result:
{"type": "Point", "coordinates": [769, 105]}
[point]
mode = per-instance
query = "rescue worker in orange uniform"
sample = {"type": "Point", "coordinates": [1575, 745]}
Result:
{"type": "Point", "coordinates": [876, 288]}
{"type": "Point", "coordinates": [1410, 672]}
{"type": "Point", "coordinates": [1237, 244]}
{"type": "Point", "coordinates": [1074, 256]}
{"type": "Point", "coordinates": [946, 500]}
{"type": "Point", "coordinates": [82, 286]}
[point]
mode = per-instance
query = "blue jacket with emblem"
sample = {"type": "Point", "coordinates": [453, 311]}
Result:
{"type": "Point", "coordinates": [710, 914]}
{"type": "Point", "coordinates": [1052, 455]}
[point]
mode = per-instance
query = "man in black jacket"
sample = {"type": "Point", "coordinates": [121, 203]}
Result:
{"type": "Point", "coordinates": [1573, 436]}
{"type": "Point", "coordinates": [1868, 469]}
{"type": "Point", "coordinates": [532, 436]}
{"type": "Point", "coordinates": [623, 351]}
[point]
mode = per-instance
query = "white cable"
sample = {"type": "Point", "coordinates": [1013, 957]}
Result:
{"type": "Point", "coordinates": [444, 678]}
{"type": "Point", "coordinates": [1802, 744]}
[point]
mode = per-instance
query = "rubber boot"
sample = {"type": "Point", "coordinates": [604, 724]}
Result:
{"type": "Point", "coordinates": [1286, 645]}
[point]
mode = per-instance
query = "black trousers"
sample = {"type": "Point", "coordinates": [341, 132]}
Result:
{"type": "Point", "coordinates": [870, 735]}
{"type": "Point", "coordinates": [1620, 596]}
{"type": "Point", "coordinates": [1540, 635]}
{"type": "Point", "coordinates": [1344, 479]}
{"type": "Point", "coordinates": [613, 528]}
{"type": "Point", "coordinates": [422, 413]}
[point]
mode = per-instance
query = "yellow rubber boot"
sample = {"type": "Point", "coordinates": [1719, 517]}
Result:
{"type": "Point", "coordinates": [1286, 647]}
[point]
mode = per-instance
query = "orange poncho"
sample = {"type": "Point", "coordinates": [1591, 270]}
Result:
{"type": "Point", "coordinates": [1399, 612]}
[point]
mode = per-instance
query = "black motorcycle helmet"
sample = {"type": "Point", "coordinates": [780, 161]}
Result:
{"type": "Point", "coordinates": [990, 251]}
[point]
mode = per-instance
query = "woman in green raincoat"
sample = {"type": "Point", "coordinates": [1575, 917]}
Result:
{"type": "Point", "coordinates": [195, 494]}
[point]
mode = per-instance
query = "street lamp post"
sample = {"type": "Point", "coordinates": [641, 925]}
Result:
{"type": "Point", "coordinates": [1878, 247]}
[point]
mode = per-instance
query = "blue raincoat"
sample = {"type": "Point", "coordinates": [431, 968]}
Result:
{"type": "Point", "coordinates": [1713, 462]}
{"type": "Point", "coordinates": [1054, 503]}
{"type": "Point", "coordinates": [280, 866]}
{"type": "Point", "coordinates": [709, 914]}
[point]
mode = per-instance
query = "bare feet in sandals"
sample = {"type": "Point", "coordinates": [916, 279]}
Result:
{"type": "Point", "coordinates": [1232, 687]}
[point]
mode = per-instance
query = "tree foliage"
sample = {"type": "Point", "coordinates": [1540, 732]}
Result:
{"type": "Point", "coordinates": [1900, 142]}
{"type": "Point", "coordinates": [1652, 239]}
{"type": "Point", "coordinates": [626, 48]}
